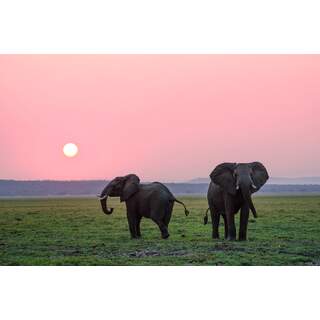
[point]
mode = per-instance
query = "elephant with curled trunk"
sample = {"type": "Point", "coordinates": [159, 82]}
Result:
{"type": "Point", "coordinates": [152, 200]}
{"type": "Point", "coordinates": [229, 191]}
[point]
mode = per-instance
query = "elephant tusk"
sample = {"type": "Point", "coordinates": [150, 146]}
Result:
{"type": "Point", "coordinates": [102, 198]}
{"type": "Point", "coordinates": [237, 187]}
{"type": "Point", "coordinates": [253, 186]}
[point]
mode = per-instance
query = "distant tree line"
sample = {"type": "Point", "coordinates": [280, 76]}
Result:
{"type": "Point", "coordinates": [94, 187]}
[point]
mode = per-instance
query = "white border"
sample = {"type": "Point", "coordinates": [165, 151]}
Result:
{"type": "Point", "coordinates": [166, 26]}
{"type": "Point", "coordinates": [159, 293]}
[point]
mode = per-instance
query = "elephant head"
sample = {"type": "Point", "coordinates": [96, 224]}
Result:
{"type": "Point", "coordinates": [123, 187]}
{"type": "Point", "coordinates": [246, 178]}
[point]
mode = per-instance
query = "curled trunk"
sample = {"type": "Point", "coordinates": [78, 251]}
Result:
{"type": "Point", "coordinates": [104, 206]}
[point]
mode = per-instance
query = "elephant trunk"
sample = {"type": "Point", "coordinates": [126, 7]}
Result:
{"type": "Point", "coordinates": [247, 196]}
{"type": "Point", "coordinates": [103, 201]}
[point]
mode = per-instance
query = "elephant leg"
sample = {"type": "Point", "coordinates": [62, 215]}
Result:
{"type": "Point", "coordinates": [231, 226]}
{"type": "Point", "coordinates": [163, 228]}
{"type": "Point", "coordinates": [225, 226]}
{"type": "Point", "coordinates": [132, 218]}
{"type": "Point", "coordinates": [230, 220]}
{"type": "Point", "coordinates": [132, 231]}
{"type": "Point", "coordinates": [215, 220]}
{"type": "Point", "coordinates": [244, 216]}
{"type": "Point", "coordinates": [138, 220]}
{"type": "Point", "coordinates": [167, 217]}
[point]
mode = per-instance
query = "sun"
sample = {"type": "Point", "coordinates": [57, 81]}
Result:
{"type": "Point", "coordinates": [70, 150]}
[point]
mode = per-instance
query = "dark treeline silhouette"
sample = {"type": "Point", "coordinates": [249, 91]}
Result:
{"type": "Point", "coordinates": [10, 188]}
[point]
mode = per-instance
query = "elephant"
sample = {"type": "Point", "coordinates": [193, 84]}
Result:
{"type": "Point", "coordinates": [229, 191]}
{"type": "Point", "coordinates": [152, 200]}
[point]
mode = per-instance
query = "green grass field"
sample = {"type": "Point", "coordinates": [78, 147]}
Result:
{"type": "Point", "coordinates": [69, 231]}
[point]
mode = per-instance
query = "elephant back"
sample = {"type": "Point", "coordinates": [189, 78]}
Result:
{"type": "Point", "coordinates": [161, 187]}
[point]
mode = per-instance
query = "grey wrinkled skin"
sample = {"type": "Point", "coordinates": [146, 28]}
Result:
{"type": "Point", "coordinates": [229, 191]}
{"type": "Point", "coordinates": [153, 201]}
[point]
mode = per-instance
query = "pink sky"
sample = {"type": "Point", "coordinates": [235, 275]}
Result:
{"type": "Point", "coordinates": [164, 117]}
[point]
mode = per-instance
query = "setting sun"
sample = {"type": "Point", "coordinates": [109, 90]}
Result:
{"type": "Point", "coordinates": [70, 150]}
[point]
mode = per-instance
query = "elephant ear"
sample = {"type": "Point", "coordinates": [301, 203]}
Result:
{"type": "Point", "coordinates": [259, 174]}
{"type": "Point", "coordinates": [223, 176]}
{"type": "Point", "coordinates": [131, 186]}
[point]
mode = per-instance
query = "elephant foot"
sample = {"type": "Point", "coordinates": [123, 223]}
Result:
{"type": "Point", "coordinates": [242, 236]}
{"type": "Point", "coordinates": [165, 236]}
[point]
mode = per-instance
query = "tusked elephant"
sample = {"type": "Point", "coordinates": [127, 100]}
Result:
{"type": "Point", "coordinates": [229, 191]}
{"type": "Point", "coordinates": [152, 200]}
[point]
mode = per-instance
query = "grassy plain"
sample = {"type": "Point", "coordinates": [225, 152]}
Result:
{"type": "Point", "coordinates": [74, 231]}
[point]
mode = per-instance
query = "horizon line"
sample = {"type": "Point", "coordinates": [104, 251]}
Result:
{"type": "Point", "coordinates": [168, 181]}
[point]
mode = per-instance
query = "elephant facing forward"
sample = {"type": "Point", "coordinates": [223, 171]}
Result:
{"type": "Point", "coordinates": [153, 200]}
{"type": "Point", "coordinates": [229, 191]}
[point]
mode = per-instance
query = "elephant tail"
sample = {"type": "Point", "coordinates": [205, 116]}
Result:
{"type": "Point", "coordinates": [205, 218]}
{"type": "Point", "coordinates": [186, 211]}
